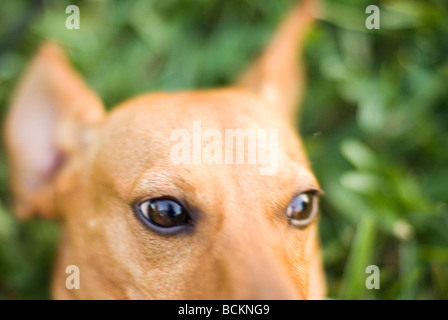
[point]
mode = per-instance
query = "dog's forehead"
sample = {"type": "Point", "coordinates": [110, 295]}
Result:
{"type": "Point", "coordinates": [223, 108]}
{"type": "Point", "coordinates": [140, 138]}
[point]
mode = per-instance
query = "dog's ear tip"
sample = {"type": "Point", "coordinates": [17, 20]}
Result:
{"type": "Point", "coordinates": [51, 48]}
{"type": "Point", "coordinates": [276, 75]}
{"type": "Point", "coordinates": [49, 53]}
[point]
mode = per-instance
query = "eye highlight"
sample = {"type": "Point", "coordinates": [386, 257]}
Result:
{"type": "Point", "coordinates": [302, 209]}
{"type": "Point", "coordinates": [163, 213]}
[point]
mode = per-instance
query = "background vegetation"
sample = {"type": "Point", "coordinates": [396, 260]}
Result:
{"type": "Point", "coordinates": [375, 119]}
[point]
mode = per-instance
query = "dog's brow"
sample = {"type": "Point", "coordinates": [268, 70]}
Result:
{"type": "Point", "coordinates": [155, 182]}
{"type": "Point", "coordinates": [304, 180]}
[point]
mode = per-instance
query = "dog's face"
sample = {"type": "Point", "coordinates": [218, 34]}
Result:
{"type": "Point", "coordinates": [158, 199]}
{"type": "Point", "coordinates": [231, 237]}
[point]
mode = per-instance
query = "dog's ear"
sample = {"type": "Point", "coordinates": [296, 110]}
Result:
{"type": "Point", "coordinates": [52, 118]}
{"type": "Point", "coordinates": [277, 75]}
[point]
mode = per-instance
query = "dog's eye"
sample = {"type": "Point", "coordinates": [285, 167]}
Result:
{"type": "Point", "coordinates": [164, 213]}
{"type": "Point", "coordinates": [302, 209]}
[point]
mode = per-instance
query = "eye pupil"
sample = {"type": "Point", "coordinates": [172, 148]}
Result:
{"type": "Point", "coordinates": [166, 208]}
{"type": "Point", "coordinates": [299, 205]}
{"type": "Point", "coordinates": [164, 212]}
{"type": "Point", "coordinates": [301, 210]}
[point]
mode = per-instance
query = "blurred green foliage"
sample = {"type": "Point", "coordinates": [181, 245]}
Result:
{"type": "Point", "coordinates": [374, 119]}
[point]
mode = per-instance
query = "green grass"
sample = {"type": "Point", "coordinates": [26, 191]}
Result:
{"type": "Point", "coordinates": [374, 120]}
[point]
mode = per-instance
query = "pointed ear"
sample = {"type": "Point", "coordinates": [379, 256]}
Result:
{"type": "Point", "coordinates": [278, 73]}
{"type": "Point", "coordinates": [52, 118]}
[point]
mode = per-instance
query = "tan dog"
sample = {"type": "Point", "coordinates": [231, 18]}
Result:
{"type": "Point", "coordinates": [140, 226]}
